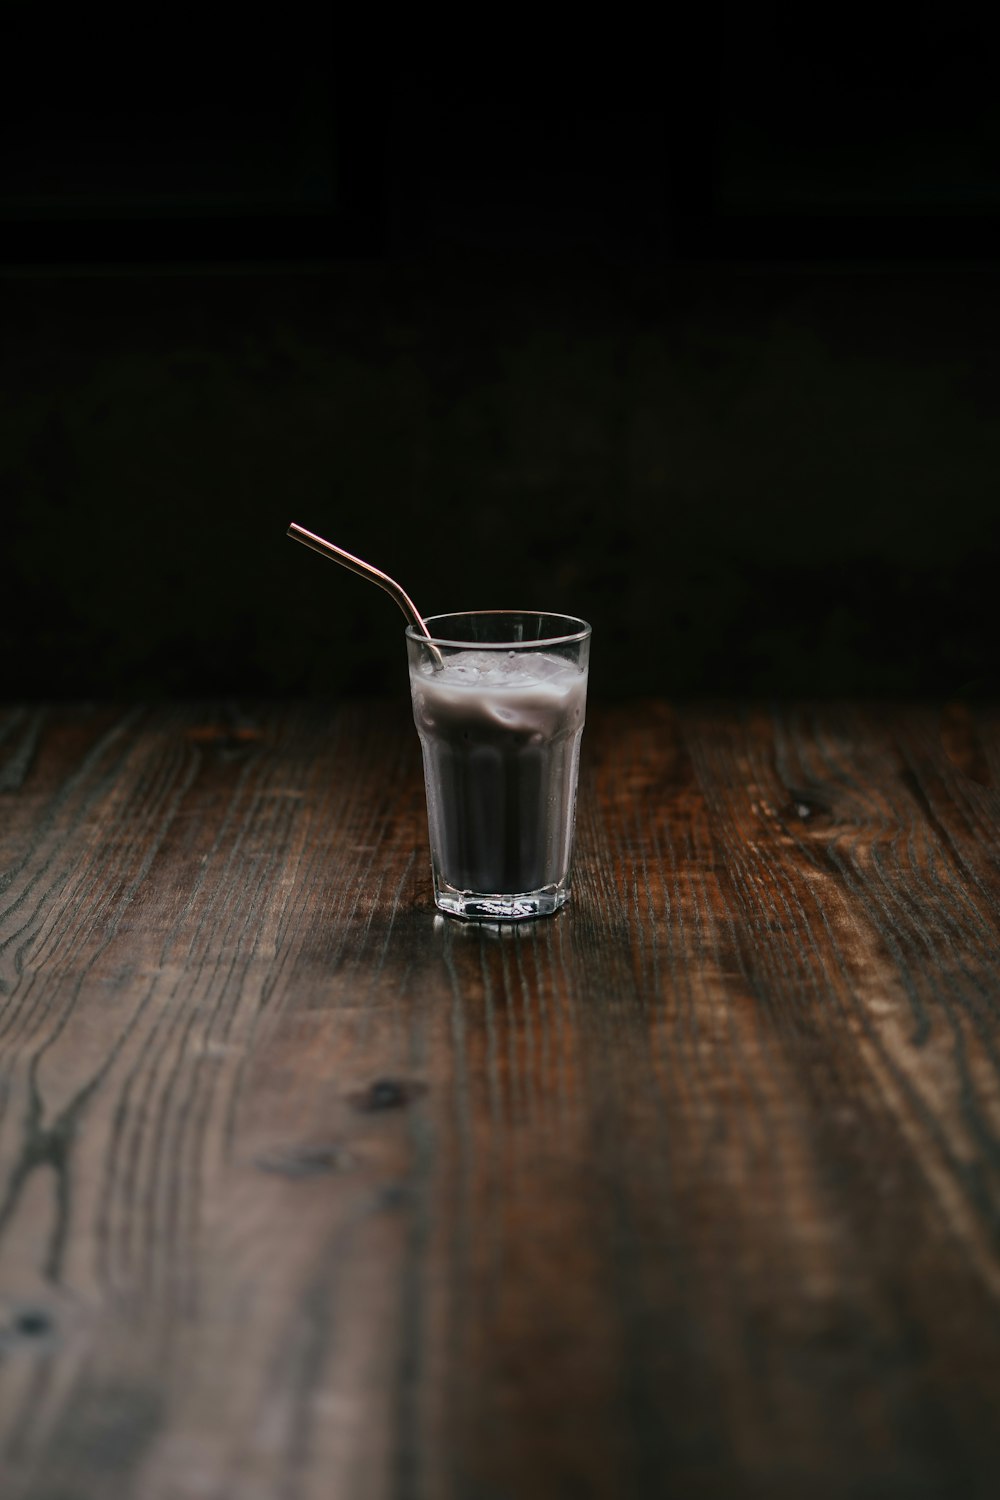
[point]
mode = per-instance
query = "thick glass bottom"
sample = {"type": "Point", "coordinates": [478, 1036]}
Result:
{"type": "Point", "coordinates": [476, 906]}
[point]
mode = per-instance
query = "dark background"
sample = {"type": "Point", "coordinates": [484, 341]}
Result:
{"type": "Point", "coordinates": [695, 334]}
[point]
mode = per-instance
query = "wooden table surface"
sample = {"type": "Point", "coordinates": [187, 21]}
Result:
{"type": "Point", "coordinates": [691, 1190]}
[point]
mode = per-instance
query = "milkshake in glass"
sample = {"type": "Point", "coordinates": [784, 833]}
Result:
{"type": "Point", "coordinates": [499, 701]}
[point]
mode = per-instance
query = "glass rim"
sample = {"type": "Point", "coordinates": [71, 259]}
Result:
{"type": "Point", "coordinates": [569, 637]}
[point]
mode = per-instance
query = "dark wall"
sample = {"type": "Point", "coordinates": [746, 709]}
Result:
{"type": "Point", "coordinates": [551, 358]}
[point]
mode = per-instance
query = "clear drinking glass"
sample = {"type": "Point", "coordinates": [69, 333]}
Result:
{"type": "Point", "coordinates": [499, 701]}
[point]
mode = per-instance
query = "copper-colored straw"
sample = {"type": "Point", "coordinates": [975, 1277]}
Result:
{"type": "Point", "coordinates": [374, 575]}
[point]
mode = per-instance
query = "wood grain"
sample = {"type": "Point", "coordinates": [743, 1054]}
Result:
{"type": "Point", "coordinates": [692, 1189]}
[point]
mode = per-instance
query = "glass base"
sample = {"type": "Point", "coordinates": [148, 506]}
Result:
{"type": "Point", "coordinates": [474, 906]}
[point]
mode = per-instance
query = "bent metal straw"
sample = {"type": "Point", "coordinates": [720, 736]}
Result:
{"type": "Point", "coordinates": [374, 575]}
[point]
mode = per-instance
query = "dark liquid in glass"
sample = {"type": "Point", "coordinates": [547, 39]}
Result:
{"type": "Point", "coordinates": [501, 742]}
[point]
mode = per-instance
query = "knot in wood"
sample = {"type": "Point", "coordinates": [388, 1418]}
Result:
{"type": "Point", "coordinates": [388, 1093]}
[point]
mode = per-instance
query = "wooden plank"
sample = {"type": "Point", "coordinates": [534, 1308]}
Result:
{"type": "Point", "coordinates": [692, 1188]}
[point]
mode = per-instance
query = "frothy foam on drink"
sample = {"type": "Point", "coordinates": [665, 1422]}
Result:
{"type": "Point", "coordinates": [479, 669]}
